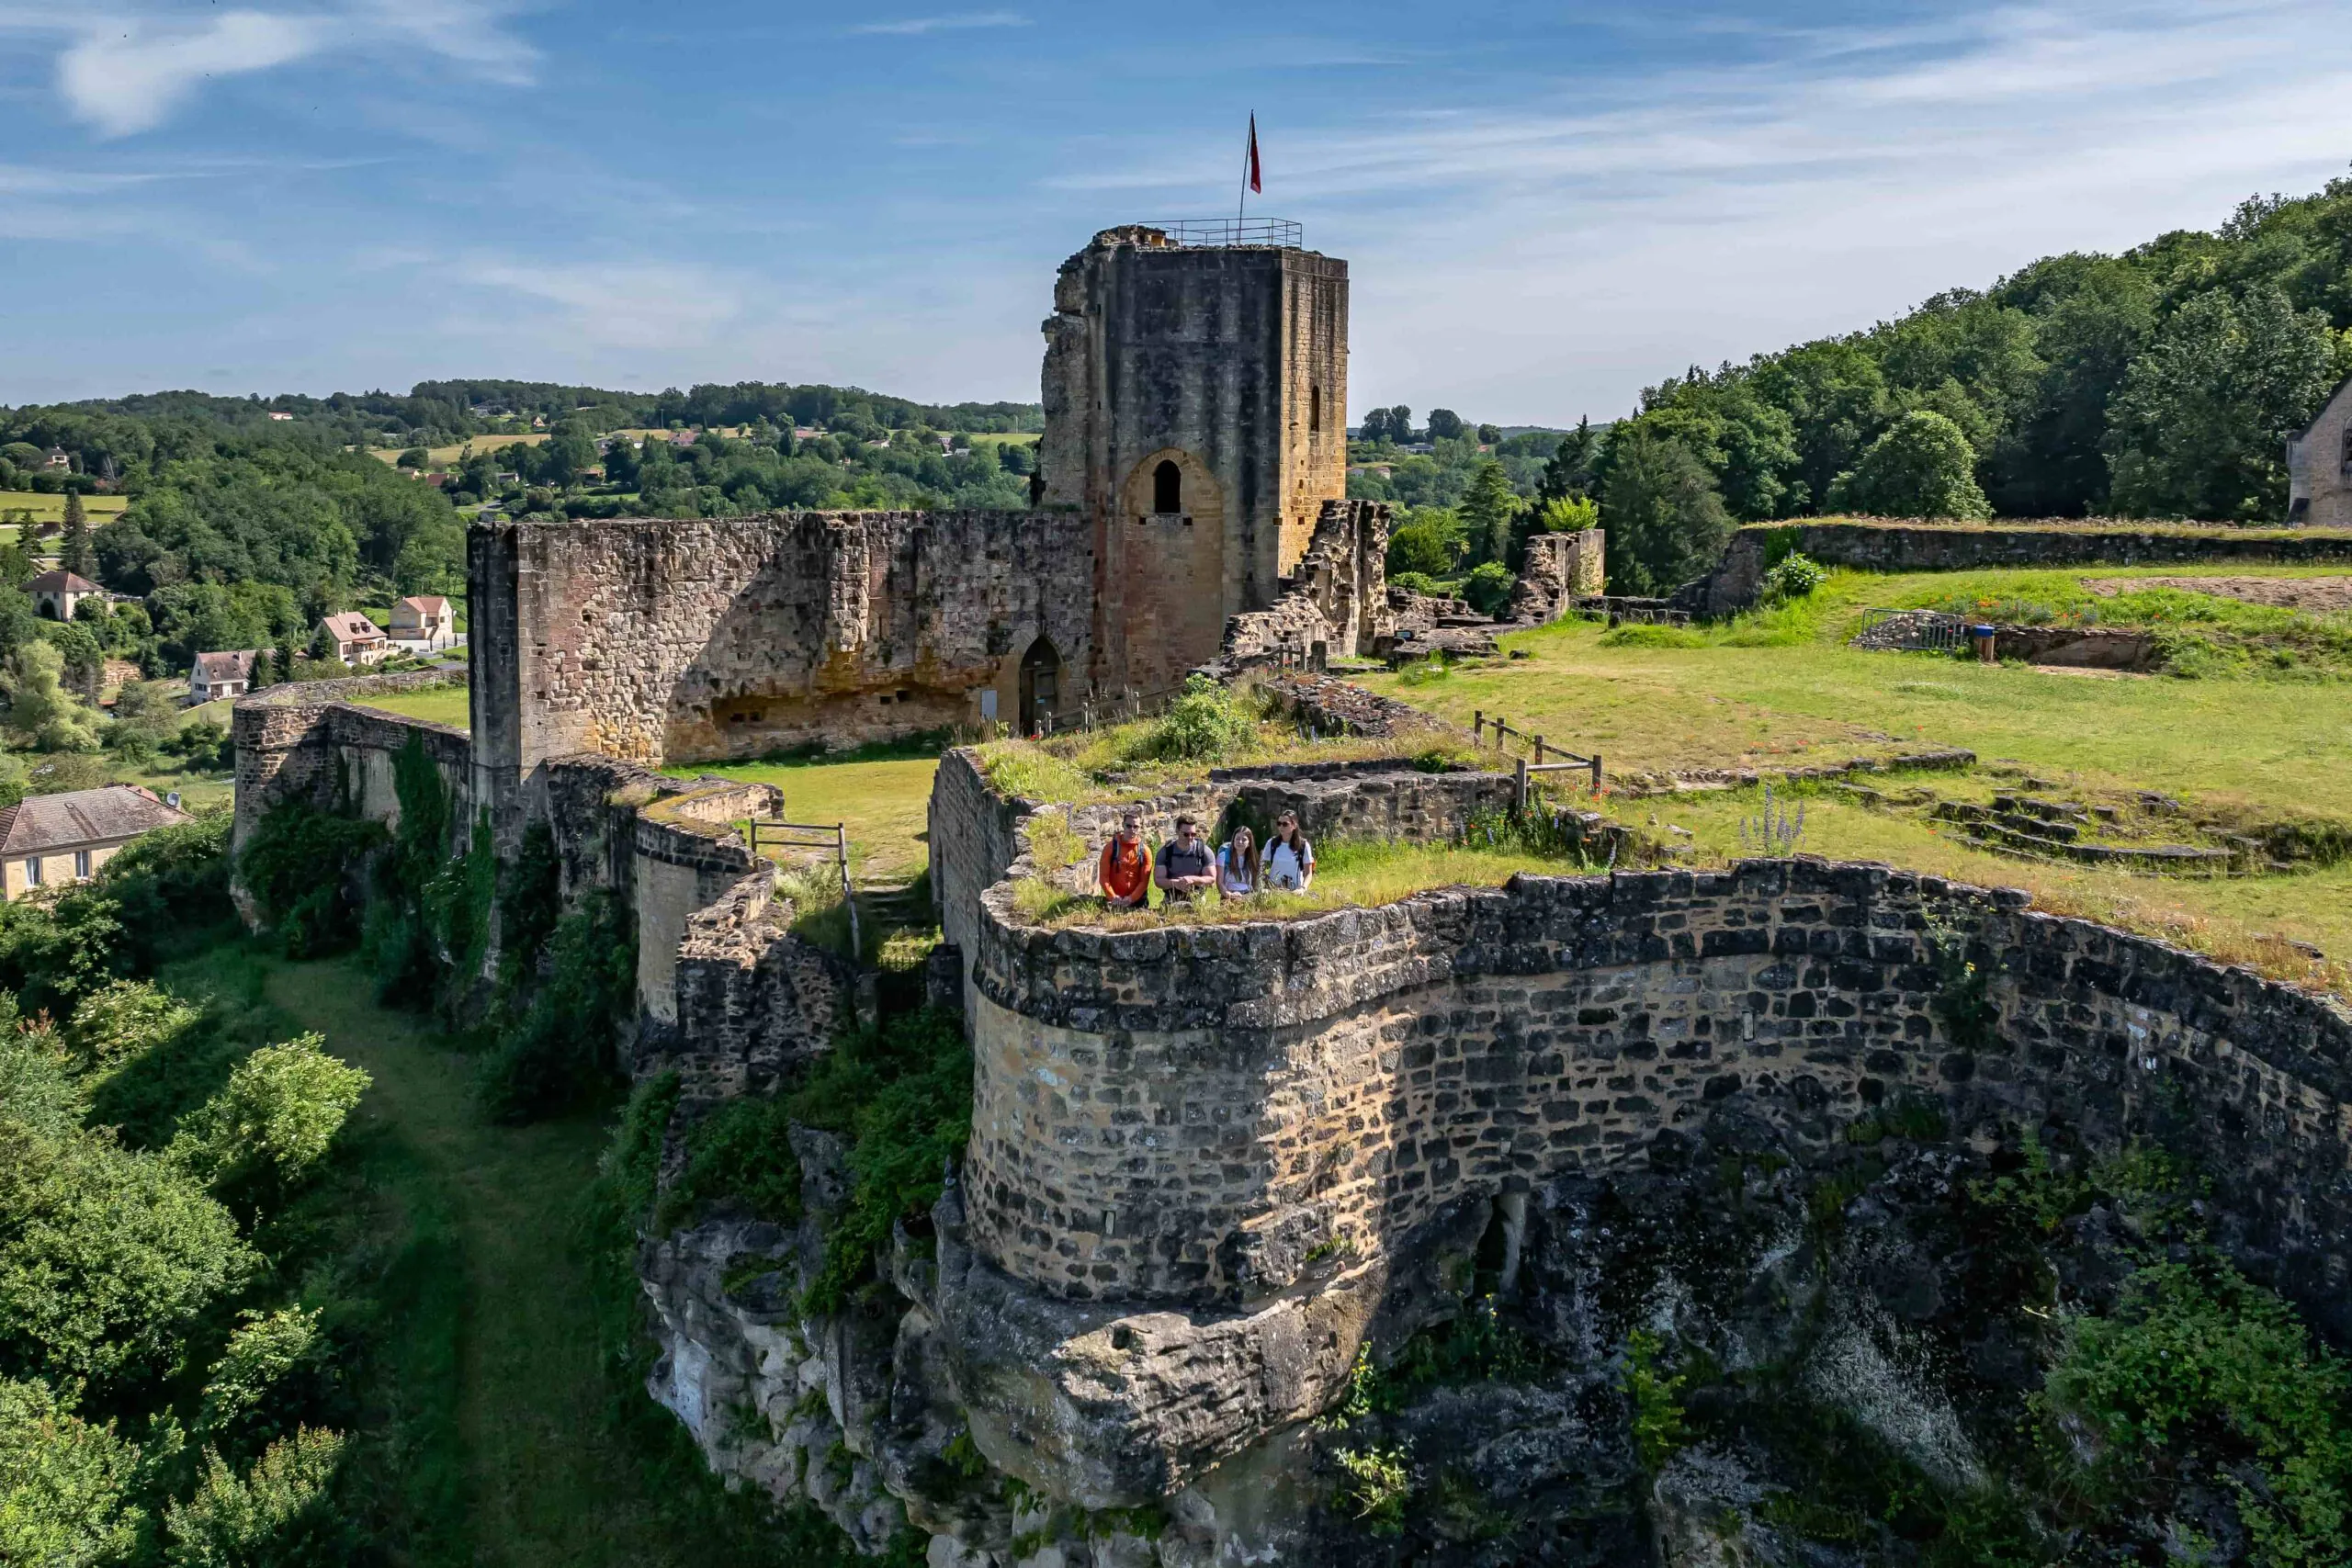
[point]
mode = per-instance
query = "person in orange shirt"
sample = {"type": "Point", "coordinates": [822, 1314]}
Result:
{"type": "Point", "coordinates": [1124, 874]}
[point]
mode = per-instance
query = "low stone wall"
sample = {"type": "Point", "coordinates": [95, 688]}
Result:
{"type": "Point", "coordinates": [1559, 569]}
{"type": "Point", "coordinates": [1196, 1115]}
{"type": "Point", "coordinates": [1737, 579]}
{"type": "Point", "coordinates": [752, 1000]}
{"type": "Point", "coordinates": [1334, 604]}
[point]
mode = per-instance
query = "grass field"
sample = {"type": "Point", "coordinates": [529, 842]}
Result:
{"type": "Point", "coordinates": [1783, 690]}
{"type": "Point", "coordinates": [885, 802]}
{"type": "Point", "coordinates": [493, 1352]}
{"type": "Point", "coordinates": [455, 451]}
{"type": "Point", "coordinates": [52, 508]}
{"type": "Point", "coordinates": [438, 704]}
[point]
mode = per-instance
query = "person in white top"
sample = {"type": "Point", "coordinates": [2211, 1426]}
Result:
{"type": "Point", "coordinates": [1290, 859]}
{"type": "Point", "coordinates": [1236, 866]}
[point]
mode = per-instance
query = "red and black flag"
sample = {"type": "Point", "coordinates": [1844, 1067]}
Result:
{"type": "Point", "coordinates": [1255, 184]}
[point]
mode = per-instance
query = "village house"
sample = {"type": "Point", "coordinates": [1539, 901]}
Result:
{"type": "Point", "coordinates": [58, 460]}
{"type": "Point", "coordinates": [280, 414]}
{"type": "Point", "coordinates": [56, 592]}
{"type": "Point", "coordinates": [423, 623]}
{"type": "Point", "coordinates": [357, 640]}
{"type": "Point", "coordinates": [50, 841]}
{"type": "Point", "coordinates": [219, 675]}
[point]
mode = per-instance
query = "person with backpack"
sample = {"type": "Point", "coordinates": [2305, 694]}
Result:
{"type": "Point", "coordinates": [1237, 871]}
{"type": "Point", "coordinates": [1185, 867]}
{"type": "Point", "coordinates": [1289, 859]}
{"type": "Point", "coordinates": [1124, 872]}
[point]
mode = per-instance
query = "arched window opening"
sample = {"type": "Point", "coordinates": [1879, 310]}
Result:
{"type": "Point", "coordinates": [1314, 410]}
{"type": "Point", "coordinates": [1167, 487]}
{"type": "Point", "coordinates": [1041, 674]}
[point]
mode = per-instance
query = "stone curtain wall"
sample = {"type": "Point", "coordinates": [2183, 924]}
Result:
{"type": "Point", "coordinates": [753, 1000]}
{"type": "Point", "coordinates": [304, 743]}
{"type": "Point", "coordinates": [1560, 569]}
{"type": "Point", "coordinates": [1198, 1115]}
{"type": "Point", "coordinates": [661, 640]}
{"type": "Point", "coordinates": [1737, 579]}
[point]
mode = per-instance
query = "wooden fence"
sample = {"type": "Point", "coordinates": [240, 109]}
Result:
{"type": "Point", "coordinates": [815, 836]}
{"type": "Point", "coordinates": [1569, 762]}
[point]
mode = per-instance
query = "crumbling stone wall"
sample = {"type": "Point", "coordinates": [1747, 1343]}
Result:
{"type": "Point", "coordinates": [1737, 579]}
{"type": "Point", "coordinates": [1335, 605]}
{"type": "Point", "coordinates": [1194, 1114]}
{"type": "Point", "coordinates": [1559, 569]}
{"type": "Point", "coordinates": [657, 641]}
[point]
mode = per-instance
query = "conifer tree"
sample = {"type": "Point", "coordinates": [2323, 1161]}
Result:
{"type": "Point", "coordinates": [73, 552]}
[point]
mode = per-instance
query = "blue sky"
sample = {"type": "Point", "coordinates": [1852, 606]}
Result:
{"type": "Point", "coordinates": [1544, 207]}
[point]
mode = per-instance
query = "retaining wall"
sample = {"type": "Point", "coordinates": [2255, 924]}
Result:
{"type": "Point", "coordinates": [1200, 1114]}
{"type": "Point", "coordinates": [1737, 579]}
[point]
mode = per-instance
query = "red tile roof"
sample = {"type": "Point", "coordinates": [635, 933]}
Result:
{"type": "Point", "coordinates": [61, 581]}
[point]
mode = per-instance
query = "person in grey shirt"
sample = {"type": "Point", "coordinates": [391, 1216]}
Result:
{"type": "Point", "coordinates": [1186, 864]}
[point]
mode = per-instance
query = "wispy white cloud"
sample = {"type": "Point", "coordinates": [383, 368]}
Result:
{"type": "Point", "coordinates": [618, 305]}
{"type": "Point", "coordinates": [131, 71]}
{"type": "Point", "coordinates": [1538, 259]}
{"type": "Point", "coordinates": [911, 26]}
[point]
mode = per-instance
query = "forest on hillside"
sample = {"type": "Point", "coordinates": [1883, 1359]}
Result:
{"type": "Point", "coordinates": [2164, 382]}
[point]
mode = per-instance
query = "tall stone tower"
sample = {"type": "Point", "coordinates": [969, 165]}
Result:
{"type": "Point", "coordinates": [1196, 397]}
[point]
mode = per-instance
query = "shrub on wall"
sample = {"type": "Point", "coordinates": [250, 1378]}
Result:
{"type": "Point", "coordinates": [559, 1051]}
{"type": "Point", "coordinates": [297, 866]}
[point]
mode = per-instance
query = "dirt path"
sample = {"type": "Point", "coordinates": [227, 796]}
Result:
{"type": "Point", "coordinates": [2319, 595]}
{"type": "Point", "coordinates": [547, 1483]}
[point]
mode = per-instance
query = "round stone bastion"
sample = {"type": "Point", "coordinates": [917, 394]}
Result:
{"type": "Point", "coordinates": [1213, 1116]}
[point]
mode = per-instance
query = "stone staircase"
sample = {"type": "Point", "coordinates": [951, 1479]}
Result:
{"type": "Point", "coordinates": [2064, 830]}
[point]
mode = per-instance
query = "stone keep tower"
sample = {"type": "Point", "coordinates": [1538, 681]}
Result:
{"type": "Point", "coordinates": [1196, 395]}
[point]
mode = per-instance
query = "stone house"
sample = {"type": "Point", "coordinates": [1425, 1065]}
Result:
{"type": "Point", "coordinates": [55, 593]}
{"type": "Point", "coordinates": [357, 640]}
{"type": "Point", "coordinates": [58, 460]}
{"type": "Point", "coordinates": [219, 675]}
{"type": "Point", "coordinates": [423, 623]}
{"type": "Point", "coordinates": [2319, 466]}
{"type": "Point", "coordinates": [49, 841]}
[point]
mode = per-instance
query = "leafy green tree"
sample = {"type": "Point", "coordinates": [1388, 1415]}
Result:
{"type": "Point", "coordinates": [41, 710]}
{"type": "Point", "coordinates": [2094, 315]}
{"type": "Point", "coordinates": [279, 1514]}
{"type": "Point", "coordinates": [1431, 544]}
{"type": "Point", "coordinates": [1666, 519]}
{"type": "Point", "coordinates": [125, 1021]}
{"type": "Point", "coordinates": [107, 1256]}
{"type": "Point", "coordinates": [1488, 513]}
{"type": "Point", "coordinates": [73, 552]}
{"type": "Point", "coordinates": [274, 1119]}
{"type": "Point", "coordinates": [414, 457]}
{"type": "Point", "coordinates": [1922, 467]}
{"type": "Point", "coordinates": [2201, 425]}
{"type": "Point", "coordinates": [1566, 515]}
{"type": "Point", "coordinates": [1835, 394]}
{"type": "Point", "coordinates": [1488, 587]}
{"type": "Point", "coordinates": [65, 1484]}
{"type": "Point", "coordinates": [1490, 434]}
{"type": "Point", "coordinates": [244, 1404]}
{"type": "Point", "coordinates": [1445, 425]}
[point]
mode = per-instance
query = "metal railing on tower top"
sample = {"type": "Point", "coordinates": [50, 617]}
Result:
{"type": "Point", "coordinates": [1229, 232]}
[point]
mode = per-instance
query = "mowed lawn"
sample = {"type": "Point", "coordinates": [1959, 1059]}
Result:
{"type": "Point", "coordinates": [2254, 747]}
{"type": "Point", "coordinates": [885, 804]}
{"type": "Point", "coordinates": [52, 508]}
{"type": "Point", "coordinates": [437, 704]}
{"type": "Point", "coordinates": [455, 451]}
{"type": "Point", "coordinates": [2282, 744]}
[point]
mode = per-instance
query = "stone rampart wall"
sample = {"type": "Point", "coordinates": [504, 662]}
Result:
{"type": "Point", "coordinates": [1737, 579]}
{"type": "Point", "coordinates": [305, 742]}
{"type": "Point", "coordinates": [1202, 1114]}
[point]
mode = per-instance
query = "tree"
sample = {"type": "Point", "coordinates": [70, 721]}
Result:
{"type": "Point", "coordinates": [65, 1483]}
{"type": "Point", "coordinates": [1400, 423]}
{"type": "Point", "coordinates": [280, 1514]}
{"type": "Point", "coordinates": [414, 457]}
{"type": "Point", "coordinates": [2201, 425]}
{"type": "Point", "coordinates": [73, 551]}
{"type": "Point", "coordinates": [2052, 461]}
{"type": "Point", "coordinates": [274, 1119]}
{"type": "Point", "coordinates": [1375, 425]}
{"type": "Point", "coordinates": [1569, 517]}
{"type": "Point", "coordinates": [1569, 473]}
{"type": "Point", "coordinates": [1430, 544]}
{"type": "Point", "coordinates": [1490, 436]}
{"type": "Point", "coordinates": [1665, 517]}
{"type": "Point", "coordinates": [1922, 467]}
{"type": "Point", "coordinates": [39, 705]}
{"type": "Point", "coordinates": [1445, 425]}
{"type": "Point", "coordinates": [1488, 510]}
{"type": "Point", "coordinates": [1835, 394]}
{"type": "Point", "coordinates": [1488, 587]}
